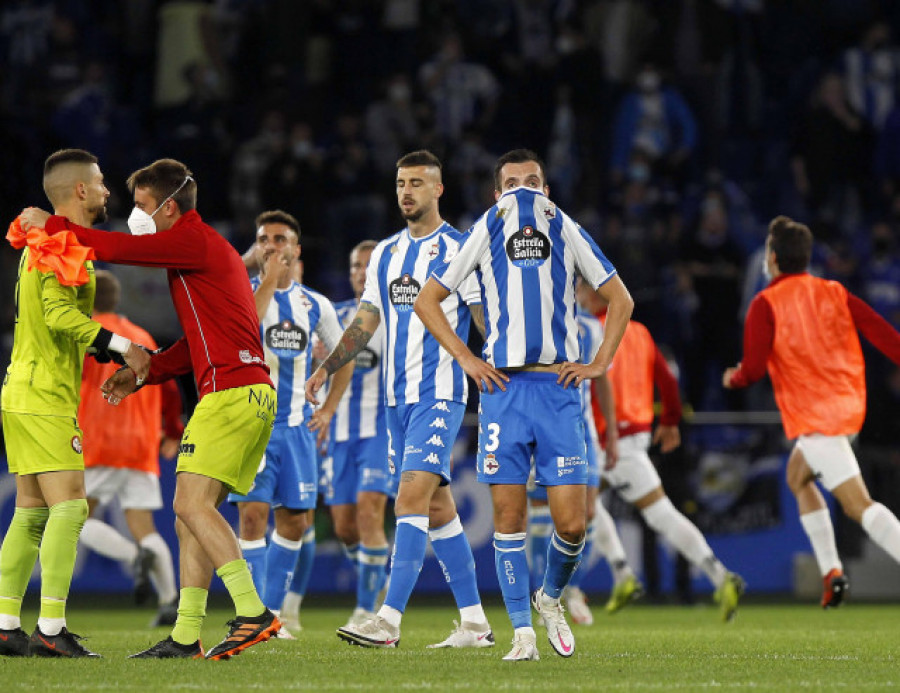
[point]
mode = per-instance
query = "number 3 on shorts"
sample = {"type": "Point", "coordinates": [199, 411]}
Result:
{"type": "Point", "coordinates": [493, 437]}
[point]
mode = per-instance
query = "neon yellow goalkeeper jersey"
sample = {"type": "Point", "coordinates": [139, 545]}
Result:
{"type": "Point", "coordinates": [53, 329]}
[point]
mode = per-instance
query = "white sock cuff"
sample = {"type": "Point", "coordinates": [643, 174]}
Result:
{"type": "Point", "coordinates": [817, 519]}
{"type": "Point", "coordinates": [516, 540]}
{"type": "Point", "coordinates": [536, 511]}
{"type": "Point", "coordinates": [286, 543]}
{"type": "Point", "coordinates": [247, 544]}
{"type": "Point", "coordinates": [420, 522]}
{"type": "Point", "coordinates": [451, 529]}
{"type": "Point", "coordinates": [566, 547]}
{"type": "Point", "coordinates": [656, 514]}
{"type": "Point", "coordinates": [871, 515]}
{"type": "Point", "coordinates": [309, 535]}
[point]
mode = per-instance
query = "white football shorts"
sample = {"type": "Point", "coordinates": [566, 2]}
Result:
{"type": "Point", "coordinates": [830, 457]}
{"type": "Point", "coordinates": [135, 490]}
{"type": "Point", "coordinates": [634, 475]}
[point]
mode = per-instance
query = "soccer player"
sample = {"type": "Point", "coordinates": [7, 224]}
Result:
{"type": "Point", "coordinates": [53, 330]}
{"type": "Point", "coordinates": [524, 252]}
{"type": "Point", "coordinates": [540, 523]}
{"type": "Point", "coordinates": [426, 394]}
{"type": "Point", "coordinates": [639, 366]}
{"type": "Point", "coordinates": [227, 434]}
{"type": "Point", "coordinates": [360, 479]}
{"type": "Point", "coordinates": [121, 458]}
{"type": "Point", "coordinates": [804, 330]}
{"type": "Point", "coordinates": [288, 476]}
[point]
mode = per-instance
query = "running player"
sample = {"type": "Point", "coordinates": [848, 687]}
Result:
{"type": "Point", "coordinates": [640, 365]}
{"type": "Point", "coordinates": [524, 252]}
{"type": "Point", "coordinates": [426, 394]}
{"type": "Point", "coordinates": [121, 458]}
{"type": "Point", "coordinates": [804, 330]}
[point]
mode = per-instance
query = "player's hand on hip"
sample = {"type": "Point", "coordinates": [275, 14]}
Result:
{"type": "Point", "coordinates": [486, 377]}
{"type": "Point", "coordinates": [576, 373]}
{"type": "Point", "coordinates": [119, 385]}
{"type": "Point", "coordinates": [137, 358]}
{"type": "Point", "coordinates": [34, 217]}
{"type": "Point", "coordinates": [314, 384]}
{"type": "Point", "coordinates": [727, 376]}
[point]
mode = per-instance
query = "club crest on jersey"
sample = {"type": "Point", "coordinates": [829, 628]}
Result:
{"type": "Point", "coordinates": [286, 339]}
{"type": "Point", "coordinates": [550, 211]}
{"type": "Point", "coordinates": [76, 444]}
{"type": "Point", "coordinates": [528, 247]}
{"type": "Point", "coordinates": [433, 251]}
{"type": "Point", "coordinates": [490, 464]}
{"type": "Point", "coordinates": [366, 360]}
{"type": "Point", "coordinates": [403, 293]}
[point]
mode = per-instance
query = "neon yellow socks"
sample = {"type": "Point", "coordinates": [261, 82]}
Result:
{"type": "Point", "coordinates": [17, 558]}
{"type": "Point", "coordinates": [239, 584]}
{"type": "Point", "coordinates": [191, 612]}
{"type": "Point", "coordinates": [57, 552]}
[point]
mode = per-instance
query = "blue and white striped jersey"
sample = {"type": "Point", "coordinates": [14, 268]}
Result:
{"type": "Point", "coordinates": [524, 252]}
{"type": "Point", "coordinates": [590, 335]}
{"type": "Point", "coordinates": [360, 413]}
{"type": "Point", "coordinates": [292, 317]}
{"type": "Point", "coordinates": [416, 367]}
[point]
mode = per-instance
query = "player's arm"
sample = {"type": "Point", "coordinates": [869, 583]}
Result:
{"type": "Point", "coordinates": [875, 328]}
{"type": "Point", "coordinates": [666, 434]}
{"type": "Point", "coordinates": [328, 330]}
{"type": "Point", "coordinates": [171, 249]}
{"type": "Point", "coordinates": [477, 311]}
{"type": "Point", "coordinates": [61, 314]}
{"type": "Point", "coordinates": [428, 308]}
{"type": "Point", "coordinates": [351, 342]}
{"type": "Point", "coordinates": [275, 268]}
{"type": "Point", "coordinates": [164, 365]}
{"type": "Point", "coordinates": [759, 335]}
{"type": "Point", "coordinates": [607, 401]}
{"type": "Point", "coordinates": [618, 314]}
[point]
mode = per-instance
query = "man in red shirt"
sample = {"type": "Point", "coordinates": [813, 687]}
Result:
{"type": "Point", "coordinates": [230, 427]}
{"type": "Point", "coordinates": [126, 467]}
{"type": "Point", "coordinates": [804, 330]}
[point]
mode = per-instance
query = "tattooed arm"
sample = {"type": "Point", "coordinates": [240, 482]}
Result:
{"type": "Point", "coordinates": [355, 337]}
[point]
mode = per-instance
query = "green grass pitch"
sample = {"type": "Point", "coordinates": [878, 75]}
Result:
{"type": "Point", "coordinates": [769, 647]}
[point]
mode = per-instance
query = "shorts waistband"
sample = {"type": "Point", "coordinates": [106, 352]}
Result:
{"type": "Point", "coordinates": [532, 376]}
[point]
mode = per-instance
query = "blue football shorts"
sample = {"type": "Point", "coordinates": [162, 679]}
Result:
{"type": "Point", "coordinates": [360, 464]}
{"type": "Point", "coordinates": [421, 436]}
{"type": "Point", "coordinates": [534, 418]}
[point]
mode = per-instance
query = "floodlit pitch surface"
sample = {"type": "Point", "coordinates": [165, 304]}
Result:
{"type": "Point", "coordinates": [785, 647]}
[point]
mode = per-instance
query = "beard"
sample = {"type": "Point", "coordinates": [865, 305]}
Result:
{"type": "Point", "coordinates": [414, 215]}
{"type": "Point", "coordinates": [98, 214]}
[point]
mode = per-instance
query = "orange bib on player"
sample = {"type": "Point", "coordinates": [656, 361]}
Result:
{"type": "Point", "coordinates": [816, 364]}
{"type": "Point", "coordinates": [126, 435]}
{"type": "Point", "coordinates": [632, 378]}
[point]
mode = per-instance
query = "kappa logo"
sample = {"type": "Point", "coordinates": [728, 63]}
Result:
{"type": "Point", "coordinates": [76, 444]}
{"type": "Point", "coordinates": [441, 406]}
{"type": "Point", "coordinates": [432, 458]}
{"type": "Point", "coordinates": [435, 440]}
{"type": "Point", "coordinates": [490, 464]}
{"type": "Point", "coordinates": [438, 423]}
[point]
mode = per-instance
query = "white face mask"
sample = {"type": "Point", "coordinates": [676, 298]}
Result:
{"type": "Point", "coordinates": [140, 223]}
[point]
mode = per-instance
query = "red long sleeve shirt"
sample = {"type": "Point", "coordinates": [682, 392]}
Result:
{"type": "Point", "coordinates": [211, 294]}
{"type": "Point", "coordinates": [759, 334]}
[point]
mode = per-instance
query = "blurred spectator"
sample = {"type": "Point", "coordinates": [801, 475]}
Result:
{"type": "Point", "coordinates": [832, 151]}
{"type": "Point", "coordinates": [871, 70]}
{"type": "Point", "coordinates": [462, 93]}
{"type": "Point", "coordinates": [25, 27]}
{"type": "Point", "coordinates": [656, 119]}
{"type": "Point", "coordinates": [622, 31]}
{"type": "Point", "coordinates": [392, 128]}
{"type": "Point", "coordinates": [251, 159]}
{"type": "Point", "coordinates": [881, 273]}
{"type": "Point", "coordinates": [714, 262]}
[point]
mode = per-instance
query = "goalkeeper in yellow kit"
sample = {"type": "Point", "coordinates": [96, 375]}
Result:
{"type": "Point", "coordinates": [39, 402]}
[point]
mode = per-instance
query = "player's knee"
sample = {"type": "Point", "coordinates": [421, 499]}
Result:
{"type": "Point", "coordinates": [571, 531]}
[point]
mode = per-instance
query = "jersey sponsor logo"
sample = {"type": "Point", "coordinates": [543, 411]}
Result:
{"type": "Point", "coordinates": [432, 458]}
{"type": "Point", "coordinates": [490, 464]}
{"type": "Point", "coordinates": [286, 339]}
{"type": "Point", "coordinates": [403, 293]}
{"type": "Point", "coordinates": [567, 465]}
{"type": "Point", "coordinates": [76, 444]}
{"type": "Point", "coordinates": [186, 449]}
{"type": "Point", "coordinates": [528, 247]}
{"type": "Point", "coordinates": [366, 359]}
{"type": "Point", "coordinates": [435, 440]}
{"type": "Point", "coordinates": [441, 406]}
{"type": "Point", "coordinates": [438, 423]}
{"type": "Point", "coordinates": [246, 357]}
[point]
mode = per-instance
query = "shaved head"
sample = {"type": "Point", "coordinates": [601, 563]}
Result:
{"type": "Point", "coordinates": [63, 170]}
